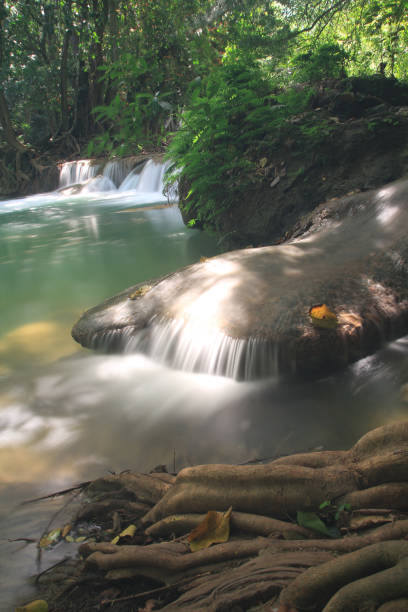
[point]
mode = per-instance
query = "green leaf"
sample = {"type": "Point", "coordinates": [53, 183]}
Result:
{"type": "Point", "coordinates": [310, 520]}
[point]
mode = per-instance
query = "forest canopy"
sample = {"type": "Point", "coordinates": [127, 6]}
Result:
{"type": "Point", "coordinates": [113, 77]}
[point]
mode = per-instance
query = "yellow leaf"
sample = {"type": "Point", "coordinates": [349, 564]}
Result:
{"type": "Point", "coordinates": [322, 316]}
{"type": "Point", "coordinates": [39, 605]}
{"type": "Point", "coordinates": [65, 530]}
{"type": "Point", "coordinates": [140, 292]}
{"type": "Point", "coordinates": [128, 532]}
{"type": "Point", "coordinates": [213, 529]}
{"type": "Point", "coordinates": [50, 538]}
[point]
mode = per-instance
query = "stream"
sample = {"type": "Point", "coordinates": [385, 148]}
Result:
{"type": "Point", "coordinates": [69, 415]}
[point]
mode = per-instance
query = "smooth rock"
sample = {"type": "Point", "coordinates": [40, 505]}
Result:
{"type": "Point", "coordinates": [252, 305]}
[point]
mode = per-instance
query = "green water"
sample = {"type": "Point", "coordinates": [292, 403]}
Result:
{"type": "Point", "coordinates": [70, 254]}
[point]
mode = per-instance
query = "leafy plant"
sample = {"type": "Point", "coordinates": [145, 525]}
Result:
{"type": "Point", "coordinates": [224, 127]}
{"type": "Point", "coordinates": [324, 521]}
{"type": "Point", "coordinates": [327, 61]}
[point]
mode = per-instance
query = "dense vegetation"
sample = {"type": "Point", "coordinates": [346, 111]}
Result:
{"type": "Point", "coordinates": [113, 77]}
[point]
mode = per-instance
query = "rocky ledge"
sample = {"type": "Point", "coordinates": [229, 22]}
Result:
{"type": "Point", "coordinates": [246, 313]}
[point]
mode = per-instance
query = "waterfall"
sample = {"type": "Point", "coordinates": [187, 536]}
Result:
{"type": "Point", "coordinates": [189, 347]}
{"type": "Point", "coordinates": [118, 169]}
{"type": "Point", "coordinates": [148, 179]}
{"type": "Point", "coordinates": [72, 173]}
{"type": "Point", "coordinates": [121, 175]}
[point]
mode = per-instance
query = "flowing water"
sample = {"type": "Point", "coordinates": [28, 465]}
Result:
{"type": "Point", "coordinates": [68, 415]}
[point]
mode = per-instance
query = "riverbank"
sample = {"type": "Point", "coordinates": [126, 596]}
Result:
{"type": "Point", "coordinates": [323, 510]}
{"type": "Point", "coordinates": [350, 137]}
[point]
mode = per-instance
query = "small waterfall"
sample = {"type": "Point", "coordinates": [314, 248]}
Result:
{"type": "Point", "coordinates": [191, 348]}
{"type": "Point", "coordinates": [149, 179]}
{"type": "Point", "coordinates": [87, 176]}
{"type": "Point", "coordinates": [99, 183]}
{"type": "Point", "coordinates": [72, 173]}
{"type": "Point", "coordinates": [118, 169]}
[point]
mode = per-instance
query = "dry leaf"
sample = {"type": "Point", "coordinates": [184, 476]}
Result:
{"type": "Point", "coordinates": [213, 529]}
{"type": "Point", "coordinates": [129, 532]}
{"type": "Point", "coordinates": [39, 605]}
{"type": "Point", "coordinates": [322, 316]}
{"type": "Point", "coordinates": [140, 292]}
{"type": "Point", "coordinates": [65, 530]}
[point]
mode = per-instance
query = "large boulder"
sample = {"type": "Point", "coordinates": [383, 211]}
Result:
{"type": "Point", "coordinates": [246, 313]}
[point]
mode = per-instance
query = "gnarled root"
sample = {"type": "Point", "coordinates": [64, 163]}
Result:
{"type": "Point", "coordinates": [254, 524]}
{"type": "Point", "coordinates": [167, 561]}
{"type": "Point", "coordinates": [359, 581]}
{"type": "Point", "coordinates": [298, 482]}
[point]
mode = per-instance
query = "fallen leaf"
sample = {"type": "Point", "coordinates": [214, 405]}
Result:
{"type": "Point", "coordinates": [322, 316]}
{"type": "Point", "coordinates": [50, 538]}
{"type": "Point", "coordinates": [65, 530]}
{"type": "Point", "coordinates": [140, 292]}
{"type": "Point", "coordinates": [39, 605]}
{"type": "Point", "coordinates": [213, 529]}
{"type": "Point", "coordinates": [129, 532]}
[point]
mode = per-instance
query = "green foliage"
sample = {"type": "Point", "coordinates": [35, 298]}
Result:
{"type": "Point", "coordinates": [225, 126]}
{"type": "Point", "coordinates": [310, 520]}
{"type": "Point", "coordinates": [327, 61]}
{"type": "Point", "coordinates": [325, 521]}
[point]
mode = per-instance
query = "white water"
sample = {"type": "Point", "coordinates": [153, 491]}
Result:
{"type": "Point", "coordinates": [145, 181]}
{"type": "Point", "coordinates": [75, 172]}
{"type": "Point", "coordinates": [194, 348]}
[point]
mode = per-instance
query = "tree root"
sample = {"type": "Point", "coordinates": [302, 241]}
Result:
{"type": "Point", "coordinates": [253, 582]}
{"type": "Point", "coordinates": [144, 488]}
{"type": "Point", "coordinates": [168, 561]}
{"type": "Point", "coordinates": [354, 573]}
{"type": "Point", "coordinates": [395, 605]}
{"type": "Point", "coordinates": [254, 524]}
{"type": "Point", "coordinates": [297, 482]}
{"type": "Point", "coordinates": [359, 581]}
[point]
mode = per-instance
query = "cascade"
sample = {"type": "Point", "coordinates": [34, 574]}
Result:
{"type": "Point", "coordinates": [148, 179]}
{"type": "Point", "coordinates": [118, 169]}
{"type": "Point", "coordinates": [90, 176]}
{"type": "Point", "coordinates": [191, 348]}
{"type": "Point", "coordinates": [99, 183]}
{"type": "Point", "coordinates": [75, 172]}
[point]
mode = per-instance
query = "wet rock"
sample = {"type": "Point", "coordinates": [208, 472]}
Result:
{"type": "Point", "coordinates": [246, 313]}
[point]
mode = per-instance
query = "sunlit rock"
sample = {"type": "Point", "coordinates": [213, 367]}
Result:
{"type": "Point", "coordinates": [245, 314]}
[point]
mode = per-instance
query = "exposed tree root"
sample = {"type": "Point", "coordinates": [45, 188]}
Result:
{"type": "Point", "coordinates": [254, 524]}
{"type": "Point", "coordinates": [167, 561]}
{"type": "Point", "coordinates": [363, 571]}
{"type": "Point", "coordinates": [361, 580]}
{"type": "Point", "coordinates": [396, 605]}
{"type": "Point", "coordinates": [297, 482]}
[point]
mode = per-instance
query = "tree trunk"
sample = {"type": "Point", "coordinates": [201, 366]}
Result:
{"type": "Point", "coordinates": [6, 124]}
